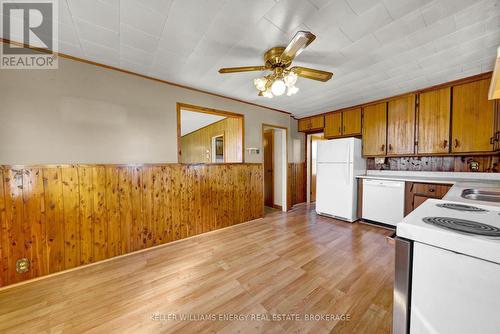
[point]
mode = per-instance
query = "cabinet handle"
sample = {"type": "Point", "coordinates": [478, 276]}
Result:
{"type": "Point", "coordinates": [457, 143]}
{"type": "Point", "coordinates": [383, 147]}
{"type": "Point", "coordinates": [445, 143]}
{"type": "Point", "coordinates": [343, 130]}
{"type": "Point", "coordinates": [497, 136]}
{"type": "Point", "coordinates": [431, 190]}
{"type": "Point", "coordinates": [390, 147]}
{"type": "Point", "coordinates": [492, 140]}
{"type": "Point", "coordinates": [340, 131]}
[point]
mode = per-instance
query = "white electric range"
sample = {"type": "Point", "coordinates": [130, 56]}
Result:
{"type": "Point", "coordinates": [448, 269]}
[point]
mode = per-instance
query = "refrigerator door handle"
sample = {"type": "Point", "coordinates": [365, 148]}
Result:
{"type": "Point", "coordinates": [348, 165]}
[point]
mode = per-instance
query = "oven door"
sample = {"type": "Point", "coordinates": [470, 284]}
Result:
{"type": "Point", "coordinates": [402, 286]}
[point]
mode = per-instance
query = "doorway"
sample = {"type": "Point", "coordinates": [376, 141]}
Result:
{"type": "Point", "coordinates": [218, 149]}
{"type": "Point", "coordinates": [275, 164]}
{"type": "Point", "coordinates": [312, 151]}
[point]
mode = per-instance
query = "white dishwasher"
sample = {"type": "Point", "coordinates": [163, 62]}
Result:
{"type": "Point", "coordinates": [383, 201]}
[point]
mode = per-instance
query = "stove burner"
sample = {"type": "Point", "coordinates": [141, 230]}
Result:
{"type": "Point", "coordinates": [461, 207]}
{"type": "Point", "coordinates": [465, 226]}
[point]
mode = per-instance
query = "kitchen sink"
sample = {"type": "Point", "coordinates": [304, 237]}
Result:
{"type": "Point", "coordinates": [481, 195]}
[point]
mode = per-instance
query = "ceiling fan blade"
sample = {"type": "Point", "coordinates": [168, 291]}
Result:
{"type": "Point", "coordinates": [241, 69]}
{"type": "Point", "coordinates": [298, 43]}
{"type": "Point", "coordinates": [311, 73]}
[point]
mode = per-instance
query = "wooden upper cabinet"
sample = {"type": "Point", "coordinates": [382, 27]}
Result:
{"type": "Point", "coordinates": [333, 125]}
{"type": "Point", "coordinates": [351, 120]}
{"type": "Point", "coordinates": [343, 124]}
{"type": "Point", "coordinates": [401, 126]}
{"type": "Point", "coordinates": [434, 122]}
{"type": "Point", "coordinates": [317, 122]}
{"type": "Point", "coordinates": [374, 129]}
{"type": "Point", "coordinates": [311, 123]}
{"type": "Point", "coordinates": [472, 118]}
{"type": "Point", "coordinates": [497, 127]}
{"type": "Point", "coordinates": [303, 124]}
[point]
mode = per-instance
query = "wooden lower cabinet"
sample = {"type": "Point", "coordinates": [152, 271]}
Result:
{"type": "Point", "coordinates": [374, 129]}
{"type": "Point", "coordinates": [417, 193]}
{"type": "Point", "coordinates": [472, 123]}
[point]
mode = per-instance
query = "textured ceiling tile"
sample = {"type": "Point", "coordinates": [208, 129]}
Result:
{"type": "Point", "coordinates": [398, 8]}
{"type": "Point", "coordinates": [360, 6]}
{"type": "Point", "coordinates": [336, 13]}
{"type": "Point", "coordinates": [465, 34]}
{"type": "Point", "coordinates": [366, 23]}
{"type": "Point", "coordinates": [437, 30]}
{"type": "Point", "coordinates": [400, 28]}
{"type": "Point", "coordinates": [160, 6]}
{"type": "Point", "coordinates": [476, 13]}
{"type": "Point", "coordinates": [97, 35]}
{"type": "Point", "coordinates": [361, 47]}
{"type": "Point", "coordinates": [97, 12]}
{"type": "Point", "coordinates": [141, 17]}
{"type": "Point", "coordinates": [289, 14]}
{"type": "Point", "coordinates": [137, 38]}
{"type": "Point", "coordinates": [186, 41]}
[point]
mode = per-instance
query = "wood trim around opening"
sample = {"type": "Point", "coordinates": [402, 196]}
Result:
{"type": "Point", "coordinates": [205, 110]}
{"type": "Point", "coordinates": [264, 125]}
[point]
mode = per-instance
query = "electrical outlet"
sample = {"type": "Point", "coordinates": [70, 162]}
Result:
{"type": "Point", "coordinates": [22, 265]}
{"type": "Point", "coordinates": [473, 165]}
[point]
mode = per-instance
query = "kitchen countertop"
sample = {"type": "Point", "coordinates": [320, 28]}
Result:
{"type": "Point", "coordinates": [432, 177]}
{"type": "Point", "coordinates": [414, 228]}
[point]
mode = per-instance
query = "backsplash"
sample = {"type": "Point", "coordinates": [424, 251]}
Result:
{"type": "Point", "coordinates": [486, 163]}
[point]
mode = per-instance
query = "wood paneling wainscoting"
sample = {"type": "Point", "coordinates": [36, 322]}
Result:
{"type": "Point", "coordinates": [297, 182]}
{"type": "Point", "coordinates": [61, 217]}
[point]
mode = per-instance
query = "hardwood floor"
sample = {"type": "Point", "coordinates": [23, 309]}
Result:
{"type": "Point", "coordinates": [293, 263]}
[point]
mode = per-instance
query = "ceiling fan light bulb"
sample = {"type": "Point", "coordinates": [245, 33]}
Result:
{"type": "Point", "coordinates": [290, 79]}
{"type": "Point", "coordinates": [260, 83]}
{"type": "Point", "coordinates": [292, 90]}
{"type": "Point", "coordinates": [278, 87]}
{"type": "Point", "coordinates": [267, 93]}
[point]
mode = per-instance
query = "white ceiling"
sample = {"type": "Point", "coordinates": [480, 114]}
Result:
{"type": "Point", "coordinates": [376, 48]}
{"type": "Point", "coordinates": [192, 121]}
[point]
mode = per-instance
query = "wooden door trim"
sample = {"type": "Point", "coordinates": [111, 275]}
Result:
{"type": "Point", "coordinates": [272, 166]}
{"type": "Point", "coordinates": [264, 125]}
{"type": "Point", "coordinates": [205, 110]}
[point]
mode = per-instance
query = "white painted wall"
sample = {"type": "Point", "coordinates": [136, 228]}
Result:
{"type": "Point", "coordinates": [83, 113]}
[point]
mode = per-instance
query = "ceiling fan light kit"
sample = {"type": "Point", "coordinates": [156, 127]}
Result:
{"type": "Point", "coordinates": [278, 59]}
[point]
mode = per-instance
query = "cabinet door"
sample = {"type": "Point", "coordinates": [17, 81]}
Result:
{"type": "Point", "coordinates": [351, 120]}
{"type": "Point", "coordinates": [317, 122]}
{"type": "Point", "coordinates": [434, 121]}
{"type": "Point", "coordinates": [303, 124]}
{"type": "Point", "coordinates": [472, 118]}
{"type": "Point", "coordinates": [401, 126]}
{"type": "Point", "coordinates": [374, 129]}
{"type": "Point", "coordinates": [333, 125]}
{"type": "Point", "coordinates": [497, 127]}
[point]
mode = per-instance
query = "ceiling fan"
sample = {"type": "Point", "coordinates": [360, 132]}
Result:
{"type": "Point", "coordinates": [278, 60]}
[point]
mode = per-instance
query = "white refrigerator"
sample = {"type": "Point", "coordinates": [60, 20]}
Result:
{"type": "Point", "coordinates": [338, 161]}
